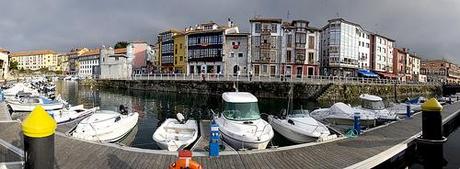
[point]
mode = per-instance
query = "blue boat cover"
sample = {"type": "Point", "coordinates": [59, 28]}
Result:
{"type": "Point", "coordinates": [367, 73]}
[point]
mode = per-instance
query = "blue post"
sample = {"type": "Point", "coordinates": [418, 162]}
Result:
{"type": "Point", "coordinates": [357, 123]}
{"type": "Point", "coordinates": [408, 111]}
{"type": "Point", "coordinates": [214, 141]}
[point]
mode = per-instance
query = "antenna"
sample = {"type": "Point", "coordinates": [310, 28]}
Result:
{"type": "Point", "coordinates": [337, 15]}
{"type": "Point", "coordinates": [288, 14]}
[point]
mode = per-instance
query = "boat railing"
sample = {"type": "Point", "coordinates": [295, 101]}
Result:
{"type": "Point", "coordinates": [101, 120]}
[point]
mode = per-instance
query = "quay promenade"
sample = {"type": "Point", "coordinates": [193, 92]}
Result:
{"type": "Point", "coordinates": [366, 151]}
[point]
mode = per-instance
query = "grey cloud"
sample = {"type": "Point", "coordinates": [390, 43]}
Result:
{"type": "Point", "coordinates": [428, 27]}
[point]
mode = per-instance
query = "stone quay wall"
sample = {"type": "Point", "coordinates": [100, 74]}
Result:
{"type": "Point", "coordinates": [301, 90]}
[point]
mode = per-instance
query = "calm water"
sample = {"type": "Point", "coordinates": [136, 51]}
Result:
{"type": "Point", "coordinates": [154, 107]}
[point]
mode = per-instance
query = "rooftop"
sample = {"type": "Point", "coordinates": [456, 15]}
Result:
{"type": "Point", "coordinates": [265, 19]}
{"type": "Point", "coordinates": [4, 50]}
{"type": "Point", "coordinates": [91, 52]}
{"type": "Point", "coordinates": [32, 53]}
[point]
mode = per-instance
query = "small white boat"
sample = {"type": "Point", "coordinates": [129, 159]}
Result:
{"type": "Point", "coordinates": [27, 104]}
{"type": "Point", "coordinates": [401, 109]}
{"type": "Point", "coordinates": [299, 127]}
{"type": "Point", "coordinates": [342, 114]}
{"type": "Point", "coordinates": [72, 113]}
{"type": "Point", "coordinates": [375, 105]}
{"type": "Point", "coordinates": [176, 134]}
{"type": "Point", "coordinates": [67, 78]}
{"type": "Point", "coordinates": [11, 93]}
{"type": "Point", "coordinates": [240, 123]}
{"type": "Point", "coordinates": [105, 126]}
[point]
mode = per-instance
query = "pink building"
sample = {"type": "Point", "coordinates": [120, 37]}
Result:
{"type": "Point", "coordinates": [137, 53]}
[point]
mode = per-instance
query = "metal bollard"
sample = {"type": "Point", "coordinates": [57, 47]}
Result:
{"type": "Point", "coordinates": [357, 123]}
{"type": "Point", "coordinates": [408, 111]}
{"type": "Point", "coordinates": [214, 142]}
{"type": "Point", "coordinates": [432, 139]}
{"type": "Point", "coordinates": [450, 99]}
{"type": "Point", "coordinates": [38, 129]}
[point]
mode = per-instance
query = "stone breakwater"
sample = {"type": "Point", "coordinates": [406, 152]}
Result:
{"type": "Point", "coordinates": [311, 91]}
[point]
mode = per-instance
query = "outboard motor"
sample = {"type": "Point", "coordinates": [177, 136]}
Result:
{"type": "Point", "coordinates": [180, 117]}
{"type": "Point", "coordinates": [123, 110]}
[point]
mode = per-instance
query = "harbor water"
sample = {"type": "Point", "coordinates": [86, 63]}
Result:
{"type": "Point", "coordinates": [154, 107]}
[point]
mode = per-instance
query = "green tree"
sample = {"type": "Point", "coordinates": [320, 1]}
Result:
{"type": "Point", "coordinates": [13, 65]}
{"type": "Point", "coordinates": [121, 44]}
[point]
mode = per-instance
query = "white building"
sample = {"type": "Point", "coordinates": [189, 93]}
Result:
{"type": "Point", "coordinates": [4, 63]}
{"type": "Point", "coordinates": [382, 53]}
{"type": "Point", "coordinates": [88, 64]}
{"type": "Point", "coordinates": [364, 52]}
{"type": "Point", "coordinates": [115, 64]}
{"type": "Point", "coordinates": [340, 47]}
{"type": "Point", "coordinates": [266, 38]}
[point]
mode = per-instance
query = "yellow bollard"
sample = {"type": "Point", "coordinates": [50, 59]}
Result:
{"type": "Point", "coordinates": [38, 129]}
{"type": "Point", "coordinates": [430, 144]}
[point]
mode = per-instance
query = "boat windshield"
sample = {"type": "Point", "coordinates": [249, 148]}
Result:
{"type": "Point", "coordinates": [373, 105]}
{"type": "Point", "coordinates": [241, 111]}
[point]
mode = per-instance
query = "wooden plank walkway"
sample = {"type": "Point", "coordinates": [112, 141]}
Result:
{"type": "Point", "coordinates": [203, 142]}
{"type": "Point", "coordinates": [72, 153]}
{"type": "Point", "coordinates": [4, 113]}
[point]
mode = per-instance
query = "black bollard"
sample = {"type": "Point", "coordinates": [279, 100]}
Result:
{"type": "Point", "coordinates": [432, 139]}
{"type": "Point", "coordinates": [38, 129]}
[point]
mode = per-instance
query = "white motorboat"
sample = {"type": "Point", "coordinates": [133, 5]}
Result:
{"type": "Point", "coordinates": [401, 109]}
{"type": "Point", "coordinates": [240, 123]}
{"type": "Point", "coordinates": [19, 87]}
{"type": "Point", "coordinates": [175, 134]}
{"type": "Point", "coordinates": [342, 114]}
{"type": "Point", "coordinates": [27, 104]}
{"type": "Point", "coordinates": [105, 126]}
{"type": "Point", "coordinates": [67, 78]}
{"type": "Point", "coordinates": [72, 113]}
{"type": "Point", "coordinates": [375, 105]}
{"type": "Point", "coordinates": [299, 127]}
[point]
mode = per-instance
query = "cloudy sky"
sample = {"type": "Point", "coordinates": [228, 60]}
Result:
{"type": "Point", "coordinates": [428, 27]}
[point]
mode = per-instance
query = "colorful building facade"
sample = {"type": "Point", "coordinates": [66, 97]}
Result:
{"type": "Point", "coordinates": [180, 48]}
{"type": "Point", "coordinates": [36, 59]}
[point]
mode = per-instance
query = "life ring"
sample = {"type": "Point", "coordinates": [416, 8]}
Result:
{"type": "Point", "coordinates": [185, 161]}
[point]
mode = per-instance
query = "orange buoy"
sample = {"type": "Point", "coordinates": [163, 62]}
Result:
{"type": "Point", "coordinates": [185, 161]}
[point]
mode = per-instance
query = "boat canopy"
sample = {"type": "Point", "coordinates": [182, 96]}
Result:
{"type": "Point", "coordinates": [370, 97]}
{"type": "Point", "coordinates": [239, 97]}
{"type": "Point", "coordinates": [367, 73]}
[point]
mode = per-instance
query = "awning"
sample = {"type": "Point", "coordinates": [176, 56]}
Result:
{"type": "Point", "coordinates": [367, 73]}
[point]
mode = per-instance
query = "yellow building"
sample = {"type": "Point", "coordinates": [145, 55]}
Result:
{"type": "Point", "coordinates": [35, 60]}
{"type": "Point", "coordinates": [180, 63]}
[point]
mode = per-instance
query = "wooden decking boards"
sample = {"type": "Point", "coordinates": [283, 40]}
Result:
{"type": "Point", "coordinates": [72, 153]}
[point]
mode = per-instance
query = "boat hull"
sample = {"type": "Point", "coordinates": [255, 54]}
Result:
{"type": "Point", "coordinates": [350, 122]}
{"type": "Point", "coordinates": [30, 107]}
{"type": "Point", "coordinates": [238, 144]}
{"type": "Point", "coordinates": [293, 136]}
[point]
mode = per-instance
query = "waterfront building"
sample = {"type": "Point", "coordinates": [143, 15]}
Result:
{"type": "Point", "coordinates": [440, 71]}
{"type": "Point", "coordinates": [138, 53]}
{"type": "Point", "coordinates": [36, 59]}
{"type": "Point", "coordinates": [4, 63]}
{"type": "Point", "coordinates": [266, 38]}
{"type": "Point", "coordinates": [115, 64]}
{"type": "Point", "coordinates": [413, 64]}
{"type": "Point", "coordinates": [205, 44]}
{"type": "Point", "coordinates": [180, 60]}
{"type": "Point", "coordinates": [382, 55]}
{"type": "Point", "coordinates": [399, 63]}
{"type": "Point", "coordinates": [73, 64]}
{"type": "Point", "coordinates": [340, 47]}
{"type": "Point", "coordinates": [300, 49]}
{"type": "Point", "coordinates": [166, 47]}
{"type": "Point", "coordinates": [88, 66]}
{"type": "Point", "coordinates": [236, 57]}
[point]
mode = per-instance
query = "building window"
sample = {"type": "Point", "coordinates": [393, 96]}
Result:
{"type": "Point", "coordinates": [311, 58]}
{"type": "Point", "coordinates": [274, 28]}
{"type": "Point", "coordinates": [258, 27]}
{"type": "Point", "coordinates": [289, 40]}
{"type": "Point", "coordinates": [311, 42]}
{"type": "Point", "coordinates": [240, 55]}
{"type": "Point", "coordinates": [288, 56]}
{"type": "Point", "coordinates": [232, 54]}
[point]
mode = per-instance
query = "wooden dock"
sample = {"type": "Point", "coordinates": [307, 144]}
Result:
{"type": "Point", "coordinates": [364, 151]}
{"type": "Point", "coordinates": [202, 143]}
{"type": "Point", "coordinates": [4, 113]}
